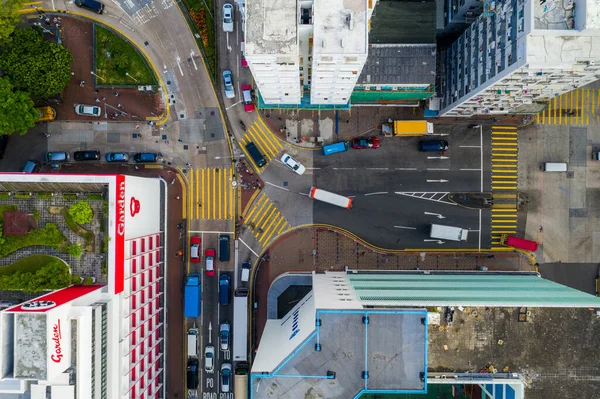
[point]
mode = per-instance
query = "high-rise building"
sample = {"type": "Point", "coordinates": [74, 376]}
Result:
{"type": "Point", "coordinates": [523, 55]}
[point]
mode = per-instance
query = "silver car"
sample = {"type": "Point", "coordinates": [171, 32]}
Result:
{"type": "Point", "coordinates": [209, 358]}
{"type": "Point", "coordinates": [87, 110]}
{"type": "Point", "coordinates": [227, 17]}
{"type": "Point", "coordinates": [228, 83]}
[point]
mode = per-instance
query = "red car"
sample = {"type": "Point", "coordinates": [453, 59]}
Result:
{"type": "Point", "coordinates": [195, 249]}
{"type": "Point", "coordinates": [247, 98]}
{"type": "Point", "coordinates": [209, 254]}
{"type": "Point", "coordinates": [365, 142]}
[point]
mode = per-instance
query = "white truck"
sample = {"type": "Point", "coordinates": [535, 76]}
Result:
{"type": "Point", "coordinates": [448, 233]}
{"type": "Point", "coordinates": [192, 344]}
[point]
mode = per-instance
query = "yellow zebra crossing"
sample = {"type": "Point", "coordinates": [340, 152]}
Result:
{"type": "Point", "coordinates": [212, 194]}
{"type": "Point", "coordinates": [266, 142]}
{"type": "Point", "coordinates": [505, 152]}
{"type": "Point", "coordinates": [265, 220]}
{"type": "Point", "coordinates": [576, 107]}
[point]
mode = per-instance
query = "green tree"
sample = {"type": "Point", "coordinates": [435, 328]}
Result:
{"type": "Point", "coordinates": [81, 212]}
{"type": "Point", "coordinates": [37, 66]}
{"type": "Point", "coordinates": [74, 250]}
{"type": "Point", "coordinates": [9, 18]}
{"type": "Point", "coordinates": [51, 276]}
{"type": "Point", "coordinates": [17, 113]}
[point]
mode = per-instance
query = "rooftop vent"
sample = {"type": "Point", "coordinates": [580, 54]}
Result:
{"type": "Point", "coordinates": [350, 21]}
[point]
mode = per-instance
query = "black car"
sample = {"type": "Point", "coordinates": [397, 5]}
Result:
{"type": "Point", "coordinates": [91, 5]}
{"type": "Point", "coordinates": [86, 155]}
{"type": "Point", "coordinates": [192, 374]}
{"type": "Point", "coordinates": [3, 143]}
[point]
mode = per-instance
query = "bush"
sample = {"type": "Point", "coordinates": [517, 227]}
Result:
{"type": "Point", "coordinates": [105, 207]}
{"type": "Point", "coordinates": [22, 196]}
{"type": "Point", "coordinates": [75, 279]}
{"type": "Point", "coordinates": [88, 281]}
{"type": "Point", "coordinates": [74, 250]}
{"type": "Point", "coordinates": [70, 196]}
{"type": "Point", "coordinates": [44, 195]}
{"type": "Point", "coordinates": [4, 195]}
{"type": "Point", "coordinates": [54, 275]}
{"type": "Point", "coordinates": [49, 236]}
{"type": "Point", "coordinates": [81, 212]}
{"type": "Point", "coordinates": [104, 268]}
{"type": "Point", "coordinates": [36, 214]}
{"type": "Point", "coordinates": [95, 197]}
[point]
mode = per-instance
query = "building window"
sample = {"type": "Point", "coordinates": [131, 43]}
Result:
{"type": "Point", "coordinates": [143, 245]}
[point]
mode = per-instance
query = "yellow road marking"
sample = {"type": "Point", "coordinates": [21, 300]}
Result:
{"type": "Point", "coordinates": [255, 207]}
{"type": "Point", "coordinates": [275, 228]}
{"type": "Point", "coordinates": [268, 211]}
{"type": "Point", "coordinates": [268, 227]}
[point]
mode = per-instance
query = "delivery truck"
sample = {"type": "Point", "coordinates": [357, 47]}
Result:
{"type": "Point", "coordinates": [407, 128]}
{"type": "Point", "coordinates": [192, 342]}
{"type": "Point", "coordinates": [191, 300]}
{"type": "Point", "coordinates": [448, 233]}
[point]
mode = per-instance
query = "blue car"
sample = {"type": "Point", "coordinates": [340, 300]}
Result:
{"type": "Point", "coordinates": [117, 157]}
{"type": "Point", "coordinates": [228, 83]}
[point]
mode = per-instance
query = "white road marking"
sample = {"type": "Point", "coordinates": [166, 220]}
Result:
{"type": "Point", "coordinates": [275, 185]}
{"type": "Point", "coordinates": [312, 168]}
{"type": "Point", "coordinates": [435, 214]}
{"type": "Point", "coordinates": [211, 232]}
{"type": "Point", "coordinates": [404, 227]}
{"type": "Point", "coordinates": [438, 241]}
{"type": "Point", "coordinates": [438, 168]}
{"type": "Point", "coordinates": [429, 196]}
{"type": "Point", "coordinates": [438, 157]}
{"type": "Point", "coordinates": [380, 192]}
{"type": "Point", "coordinates": [192, 58]}
{"type": "Point", "coordinates": [303, 194]}
{"type": "Point", "coordinates": [469, 146]}
{"type": "Point", "coordinates": [406, 168]}
{"type": "Point", "coordinates": [233, 105]}
{"type": "Point", "coordinates": [247, 246]}
{"type": "Point", "coordinates": [437, 181]}
{"type": "Point", "coordinates": [481, 151]}
{"type": "Point", "coordinates": [343, 168]}
{"type": "Point", "coordinates": [377, 168]}
{"type": "Point", "coordinates": [471, 169]}
{"type": "Point", "coordinates": [480, 230]}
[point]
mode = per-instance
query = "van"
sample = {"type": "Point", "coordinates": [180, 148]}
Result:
{"type": "Point", "coordinates": [145, 157]}
{"type": "Point", "coordinates": [91, 5]}
{"type": "Point", "coordinates": [192, 346]}
{"type": "Point", "coordinates": [555, 167]}
{"type": "Point", "coordinates": [451, 233]}
{"type": "Point", "coordinates": [57, 156]}
{"type": "Point", "coordinates": [433, 146]}
{"type": "Point", "coordinates": [31, 166]}
{"type": "Point", "coordinates": [257, 157]}
{"type": "Point", "coordinates": [245, 275]}
{"type": "Point", "coordinates": [335, 147]}
{"type": "Point", "coordinates": [224, 286]}
{"type": "Point", "coordinates": [224, 248]}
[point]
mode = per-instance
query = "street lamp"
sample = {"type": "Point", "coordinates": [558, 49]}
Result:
{"type": "Point", "coordinates": [128, 75]}
{"type": "Point", "coordinates": [98, 76]}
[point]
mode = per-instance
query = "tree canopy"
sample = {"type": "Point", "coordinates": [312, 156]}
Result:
{"type": "Point", "coordinates": [81, 212]}
{"type": "Point", "coordinates": [35, 65]}
{"type": "Point", "coordinates": [52, 276]}
{"type": "Point", "coordinates": [17, 113]}
{"type": "Point", "coordinates": [9, 18]}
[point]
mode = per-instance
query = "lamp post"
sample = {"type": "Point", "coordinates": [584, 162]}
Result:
{"type": "Point", "coordinates": [98, 76]}
{"type": "Point", "coordinates": [128, 75]}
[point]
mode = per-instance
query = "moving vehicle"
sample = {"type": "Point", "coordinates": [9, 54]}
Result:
{"type": "Point", "coordinates": [245, 272]}
{"type": "Point", "coordinates": [192, 296]}
{"type": "Point", "coordinates": [88, 110]}
{"type": "Point", "coordinates": [516, 242]}
{"type": "Point", "coordinates": [192, 373]}
{"type": "Point", "coordinates": [145, 157]}
{"type": "Point", "coordinates": [228, 84]}
{"type": "Point", "coordinates": [91, 5]}
{"type": "Point", "coordinates": [227, 17]}
{"type": "Point", "coordinates": [57, 156]}
{"type": "Point", "coordinates": [256, 156]}
{"type": "Point", "coordinates": [240, 386]}
{"type": "Point", "coordinates": [224, 333]}
{"type": "Point", "coordinates": [330, 198]}
{"type": "Point", "coordinates": [448, 233]}
{"type": "Point", "coordinates": [224, 287]}
{"type": "Point", "coordinates": [86, 155]}
{"type": "Point", "coordinates": [225, 377]}
{"type": "Point", "coordinates": [555, 167]}
{"type": "Point", "coordinates": [407, 128]}
{"type": "Point", "coordinates": [242, 52]}
{"type": "Point", "coordinates": [193, 342]}
{"type": "Point", "coordinates": [31, 166]}
{"type": "Point", "coordinates": [209, 256]}
{"type": "Point", "coordinates": [209, 358]}
{"type": "Point", "coordinates": [45, 114]}
{"type": "Point", "coordinates": [117, 157]}
{"type": "Point", "coordinates": [240, 325]}
{"type": "Point", "coordinates": [195, 249]}
{"type": "Point", "coordinates": [3, 144]}
{"type": "Point", "coordinates": [224, 248]}
{"type": "Point", "coordinates": [433, 146]}
{"type": "Point", "coordinates": [335, 148]}
{"type": "Point", "coordinates": [360, 143]}
{"type": "Point", "coordinates": [247, 98]}
{"type": "Point", "coordinates": [293, 164]}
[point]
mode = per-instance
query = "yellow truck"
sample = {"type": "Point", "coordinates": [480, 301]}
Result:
{"type": "Point", "coordinates": [407, 128]}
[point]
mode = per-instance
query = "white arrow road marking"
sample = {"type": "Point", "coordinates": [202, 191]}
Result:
{"type": "Point", "coordinates": [194, 62]}
{"type": "Point", "coordinates": [438, 157]}
{"type": "Point", "coordinates": [438, 241]}
{"type": "Point", "coordinates": [435, 214]}
{"type": "Point", "coordinates": [437, 181]}
{"type": "Point", "coordinates": [404, 227]}
{"type": "Point", "coordinates": [209, 332]}
{"type": "Point", "coordinates": [381, 192]}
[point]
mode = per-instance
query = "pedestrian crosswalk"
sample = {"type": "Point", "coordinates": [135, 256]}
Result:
{"type": "Point", "coordinates": [577, 107]}
{"type": "Point", "coordinates": [266, 142]}
{"type": "Point", "coordinates": [264, 220]}
{"type": "Point", "coordinates": [505, 151]}
{"type": "Point", "coordinates": [212, 194]}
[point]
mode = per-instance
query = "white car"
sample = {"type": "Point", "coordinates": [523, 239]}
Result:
{"type": "Point", "coordinates": [293, 164]}
{"type": "Point", "coordinates": [209, 358]}
{"type": "Point", "coordinates": [87, 110]}
{"type": "Point", "coordinates": [227, 17]}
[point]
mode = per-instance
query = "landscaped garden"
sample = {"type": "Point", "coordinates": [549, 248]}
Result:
{"type": "Point", "coordinates": [201, 12]}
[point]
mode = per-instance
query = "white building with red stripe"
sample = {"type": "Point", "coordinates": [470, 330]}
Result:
{"type": "Point", "coordinates": [95, 342]}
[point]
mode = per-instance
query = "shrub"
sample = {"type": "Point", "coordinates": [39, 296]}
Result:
{"type": "Point", "coordinates": [74, 250]}
{"type": "Point", "coordinates": [75, 279]}
{"type": "Point", "coordinates": [104, 268]}
{"type": "Point", "coordinates": [94, 197]}
{"type": "Point", "coordinates": [22, 196]}
{"type": "Point", "coordinates": [49, 236]}
{"type": "Point", "coordinates": [70, 196]}
{"type": "Point", "coordinates": [88, 281]}
{"type": "Point", "coordinates": [81, 212]}
{"type": "Point", "coordinates": [52, 276]}
{"type": "Point", "coordinates": [36, 214]}
{"type": "Point", "coordinates": [4, 195]}
{"type": "Point", "coordinates": [44, 195]}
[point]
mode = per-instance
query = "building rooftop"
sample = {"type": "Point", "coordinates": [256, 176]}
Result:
{"type": "Point", "coordinates": [16, 223]}
{"type": "Point", "coordinates": [399, 64]}
{"type": "Point", "coordinates": [30, 346]}
{"type": "Point", "coordinates": [340, 27]}
{"type": "Point", "coordinates": [555, 14]}
{"type": "Point", "coordinates": [391, 348]}
{"type": "Point", "coordinates": [271, 27]}
{"type": "Point", "coordinates": [405, 22]}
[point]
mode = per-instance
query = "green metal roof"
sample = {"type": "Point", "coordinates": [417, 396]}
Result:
{"type": "Point", "coordinates": [465, 289]}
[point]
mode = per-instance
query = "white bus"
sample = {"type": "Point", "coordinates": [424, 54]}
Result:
{"type": "Point", "coordinates": [330, 198]}
{"type": "Point", "coordinates": [240, 326]}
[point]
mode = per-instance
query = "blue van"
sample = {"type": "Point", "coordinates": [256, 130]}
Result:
{"type": "Point", "coordinates": [224, 248]}
{"type": "Point", "coordinates": [336, 147]}
{"type": "Point", "coordinates": [224, 287]}
{"type": "Point", "coordinates": [145, 157]}
{"type": "Point", "coordinates": [57, 156]}
{"type": "Point", "coordinates": [433, 145]}
{"type": "Point", "coordinates": [31, 166]}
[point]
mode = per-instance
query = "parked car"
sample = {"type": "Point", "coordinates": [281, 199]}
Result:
{"type": "Point", "coordinates": [247, 98]}
{"type": "Point", "coordinates": [86, 155]}
{"type": "Point", "coordinates": [224, 331]}
{"type": "Point", "coordinates": [433, 146]}
{"type": "Point", "coordinates": [245, 272]}
{"type": "Point", "coordinates": [117, 157]}
{"type": "Point", "coordinates": [209, 358]}
{"type": "Point", "coordinates": [31, 166]}
{"type": "Point", "coordinates": [192, 373]}
{"type": "Point", "coordinates": [227, 17]}
{"type": "Point", "coordinates": [88, 110]}
{"type": "Point", "coordinates": [293, 164]}
{"type": "Point", "coordinates": [145, 157]}
{"type": "Point", "coordinates": [195, 249]}
{"type": "Point", "coordinates": [365, 142]}
{"type": "Point", "coordinates": [57, 156]}
{"type": "Point", "coordinates": [243, 53]}
{"type": "Point", "coordinates": [209, 255]}
{"type": "Point", "coordinates": [228, 83]}
{"type": "Point", "coordinates": [225, 377]}
{"type": "Point", "coordinates": [91, 5]}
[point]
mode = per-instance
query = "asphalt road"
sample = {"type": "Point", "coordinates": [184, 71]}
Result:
{"type": "Point", "coordinates": [19, 149]}
{"type": "Point", "coordinates": [581, 276]}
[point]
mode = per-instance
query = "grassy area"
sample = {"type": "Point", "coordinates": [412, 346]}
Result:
{"type": "Point", "coordinates": [201, 11]}
{"type": "Point", "coordinates": [116, 57]}
{"type": "Point", "coordinates": [6, 208]}
{"type": "Point", "coordinates": [29, 264]}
